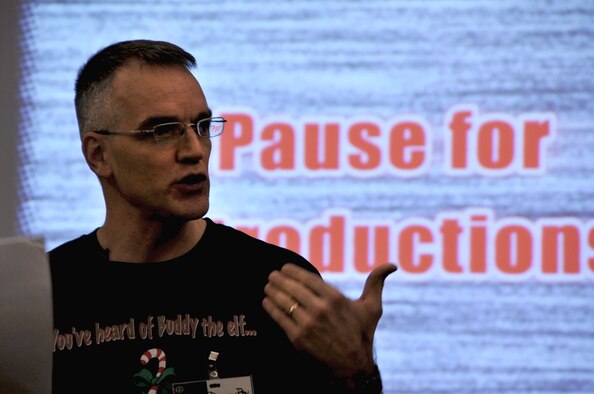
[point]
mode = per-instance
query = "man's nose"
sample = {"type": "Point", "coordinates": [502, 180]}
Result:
{"type": "Point", "coordinates": [193, 144]}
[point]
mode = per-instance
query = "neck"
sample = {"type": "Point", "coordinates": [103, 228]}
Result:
{"type": "Point", "coordinates": [149, 243]}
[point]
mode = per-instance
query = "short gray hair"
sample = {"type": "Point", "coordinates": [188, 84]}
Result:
{"type": "Point", "coordinates": [94, 109]}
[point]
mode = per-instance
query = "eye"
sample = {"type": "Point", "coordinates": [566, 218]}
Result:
{"type": "Point", "coordinates": [168, 131]}
{"type": "Point", "coordinates": [204, 127]}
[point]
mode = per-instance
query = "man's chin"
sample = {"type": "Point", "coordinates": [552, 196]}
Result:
{"type": "Point", "coordinates": [184, 213]}
{"type": "Point", "coordinates": [192, 215]}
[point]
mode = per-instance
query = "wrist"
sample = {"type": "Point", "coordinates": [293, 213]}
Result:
{"type": "Point", "coordinates": [360, 383]}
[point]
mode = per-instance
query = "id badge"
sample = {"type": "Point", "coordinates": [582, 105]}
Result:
{"type": "Point", "coordinates": [235, 385]}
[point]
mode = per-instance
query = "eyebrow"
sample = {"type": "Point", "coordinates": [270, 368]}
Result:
{"type": "Point", "coordinates": [155, 120]}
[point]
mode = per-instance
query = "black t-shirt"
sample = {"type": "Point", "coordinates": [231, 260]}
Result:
{"type": "Point", "coordinates": [107, 315]}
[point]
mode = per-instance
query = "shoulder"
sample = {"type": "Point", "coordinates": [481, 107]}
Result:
{"type": "Point", "coordinates": [74, 248]}
{"type": "Point", "coordinates": [232, 241]}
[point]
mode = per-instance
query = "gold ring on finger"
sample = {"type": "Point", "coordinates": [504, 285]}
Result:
{"type": "Point", "coordinates": [293, 308]}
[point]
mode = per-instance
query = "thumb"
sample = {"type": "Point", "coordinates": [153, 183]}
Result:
{"type": "Point", "coordinates": [374, 284]}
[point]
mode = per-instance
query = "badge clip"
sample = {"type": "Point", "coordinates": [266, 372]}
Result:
{"type": "Point", "coordinates": [213, 373]}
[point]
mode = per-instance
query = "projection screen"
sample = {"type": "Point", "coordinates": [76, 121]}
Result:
{"type": "Point", "coordinates": [453, 138]}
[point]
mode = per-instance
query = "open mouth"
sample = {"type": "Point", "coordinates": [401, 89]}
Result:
{"type": "Point", "coordinates": [193, 179]}
{"type": "Point", "coordinates": [191, 183]}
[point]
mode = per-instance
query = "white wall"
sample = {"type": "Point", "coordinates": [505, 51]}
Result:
{"type": "Point", "coordinates": [9, 110]}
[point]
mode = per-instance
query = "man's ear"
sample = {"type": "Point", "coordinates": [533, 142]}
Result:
{"type": "Point", "coordinates": [94, 150]}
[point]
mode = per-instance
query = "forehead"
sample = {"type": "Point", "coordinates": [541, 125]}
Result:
{"type": "Point", "coordinates": [140, 91]}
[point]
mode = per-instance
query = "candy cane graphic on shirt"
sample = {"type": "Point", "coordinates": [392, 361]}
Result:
{"type": "Point", "coordinates": [159, 355]}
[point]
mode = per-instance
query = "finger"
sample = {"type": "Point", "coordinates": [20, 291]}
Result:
{"type": "Point", "coordinates": [296, 287]}
{"type": "Point", "coordinates": [309, 280]}
{"type": "Point", "coordinates": [374, 284]}
{"type": "Point", "coordinates": [281, 317]}
{"type": "Point", "coordinates": [278, 295]}
{"type": "Point", "coordinates": [299, 273]}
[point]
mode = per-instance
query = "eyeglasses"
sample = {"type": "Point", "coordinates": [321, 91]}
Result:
{"type": "Point", "coordinates": [166, 133]}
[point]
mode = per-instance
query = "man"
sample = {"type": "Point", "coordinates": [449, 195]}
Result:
{"type": "Point", "coordinates": [161, 299]}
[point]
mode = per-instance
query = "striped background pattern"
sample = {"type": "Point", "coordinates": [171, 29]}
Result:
{"type": "Point", "coordinates": [380, 59]}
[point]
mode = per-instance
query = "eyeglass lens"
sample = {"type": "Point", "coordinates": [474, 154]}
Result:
{"type": "Point", "coordinates": [176, 130]}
